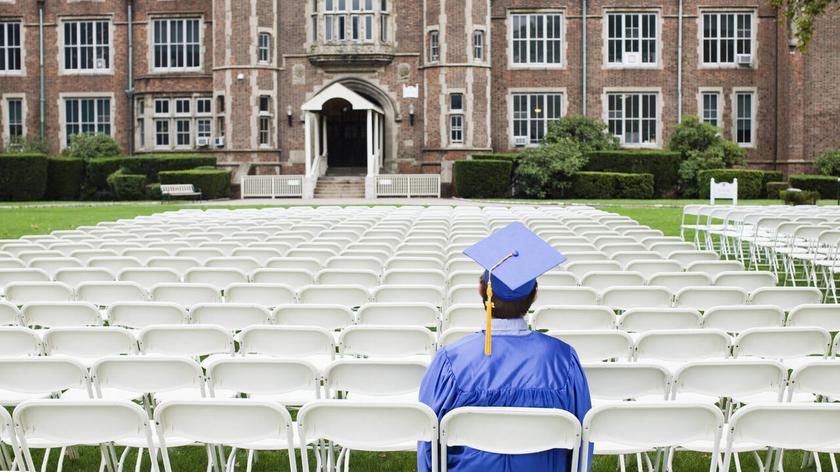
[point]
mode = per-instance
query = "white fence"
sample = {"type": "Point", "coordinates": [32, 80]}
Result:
{"type": "Point", "coordinates": [272, 186]}
{"type": "Point", "coordinates": [408, 185]}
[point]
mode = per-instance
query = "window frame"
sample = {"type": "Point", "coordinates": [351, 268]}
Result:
{"type": "Point", "coordinates": [701, 105]}
{"type": "Point", "coordinates": [639, 39]}
{"type": "Point", "coordinates": [7, 51]}
{"type": "Point", "coordinates": [168, 44]}
{"type": "Point", "coordinates": [516, 118]}
{"type": "Point", "coordinates": [5, 118]}
{"type": "Point", "coordinates": [181, 135]}
{"type": "Point", "coordinates": [529, 40]}
{"type": "Point", "coordinates": [753, 119]}
{"type": "Point", "coordinates": [433, 43]}
{"type": "Point", "coordinates": [718, 12]}
{"type": "Point", "coordinates": [78, 120]}
{"type": "Point", "coordinates": [456, 121]}
{"type": "Point", "coordinates": [625, 94]}
{"type": "Point", "coordinates": [350, 22]}
{"type": "Point", "coordinates": [479, 45]}
{"type": "Point", "coordinates": [65, 47]}
{"type": "Point", "coordinates": [264, 50]}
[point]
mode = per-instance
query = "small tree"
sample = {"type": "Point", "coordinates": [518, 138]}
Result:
{"type": "Point", "coordinates": [693, 135]}
{"type": "Point", "coordinates": [828, 163]}
{"type": "Point", "coordinates": [589, 133]}
{"type": "Point", "coordinates": [89, 145]}
{"type": "Point", "coordinates": [546, 171]}
{"type": "Point", "coordinates": [702, 148]}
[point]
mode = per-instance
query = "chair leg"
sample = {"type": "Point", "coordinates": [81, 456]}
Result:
{"type": "Point", "coordinates": [139, 462]}
{"type": "Point", "coordinates": [61, 454]}
{"type": "Point", "coordinates": [250, 466]}
{"type": "Point", "coordinates": [833, 462]}
{"type": "Point", "coordinates": [621, 466]}
{"type": "Point", "coordinates": [737, 463]}
{"type": "Point", "coordinates": [817, 461]}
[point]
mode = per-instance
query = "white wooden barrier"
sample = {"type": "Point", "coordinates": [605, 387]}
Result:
{"type": "Point", "coordinates": [408, 185]}
{"type": "Point", "coordinates": [272, 186]}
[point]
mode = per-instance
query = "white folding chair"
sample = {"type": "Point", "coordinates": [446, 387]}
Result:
{"type": "Point", "coordinates": [824, 316]}
{"type": "Point", "coordinates": [676, 281]}
{"type": "Point", "coordinates": [625, 298]}
{"type": "Point", "coordinates": [747, 280]}
{"type": "Point", "coordinates": [814, 381]}
{"type": "Point", "coordinates": [651, 267]}
{"type": "Point", "coordinates": [330, 317]}
{"type": "Point", "coordinates": [734, 319]}
{"type": "Point", "coordinates": [640, 320]}
{"type": "Point", "coordinates": [185, 295]}
{"type": "Point", "coordinates": [60, 314]}
{"type": "Point", "coordinates": [238, 423]}
{"type": "Point", "coordinates": [786, 298]}
{"type": "Point", "coordinates": [350, 296]}
{"type": "Point", "coordinates": [399, 314]}
{"type": "Point", "coordinates": [573, 317]}
{"type": "Point", "coordinates": [558, 296]}
{"type": "Point", "coordinates": [611, 382]}
{"type": "Point", "coordinates": [150, 378]}
{"type": "Point", "coordinates": [137, 315]}
{"type": "Point", "coordinates": [374, 379]}
{"type": "Point", "coordinates": [409, 294]}
{"type": "Point", "coordinates": [8, 437]}
{"type": "Point", "coordinates": [21, 293]}
{"type": "Point", "coordinates": [378, 427]}
{"type": "Point", "coordinates": [471, 315]}
{"type": "Point", "coordinates": [46, 424]}
{"type": "Point", "coordinates": [453, 335]}
{"type": "Point", "coordinates": [743, 381]}
{"type": "Point", "coordinates": [147, 277]}
{"type": "Point", "coordinates": [414, 277]}
{"type": "Point", "coordinates": [9, 314]}
{"type": "Point", "coordinates": [26, 378]}
{"type": "Point", "coordinates": [791, 346]}
{"type": "Point", "coordinates": [598, 345]}
{"type": "Point", "coordinates": [290, 382]}
{"type": "Point", "coordinates": [386, 341]}
{"type": "Point", "coordinates": [511, 431]}
{"type": "Point", "coordinates": [104, 294]}
{"type": "Point", "coordinates": [672, 348]}
{"type": "Point", "coordinates": [314, 344]}
{"type": "Point", "coordinates": [641, 427]}
{"type": "Point", "coordinates": [88, 344]}
{"type": "Point", "coordinates": [231, 316]}
{"type": "Point", "coordinates": [704, 298]}
{"type": "Point", "coordinates": [713, 268]}
{"type": "Point", "coordinates": [364, 278]}
{"type": "Point", "coordinates": [308, 264]}
{"type": "Point", "coordinates": [294, 278]}
{"type": "Point", "coordinates": [17, 341]}
{"type": "Point", "coordinates": [267, 295]}
{"type": "Point", "coordinates": [600, 281]}
{"type": "Point", "coordinates": [580, 269]}
{"type": "Point", "coordinates": [186, 340]}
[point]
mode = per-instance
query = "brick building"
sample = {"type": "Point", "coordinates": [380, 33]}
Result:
{"type": "Point", "coordinates": [362, 87]}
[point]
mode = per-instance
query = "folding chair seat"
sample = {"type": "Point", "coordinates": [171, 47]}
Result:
{"type": "Point", "coordinates": [47, 424]}
{"type": "Point", "coordinates": [365, 278]}
{"type": "Point", "coordinates": [399, 314]}
{"type": "Point", "coordinates": [386, 341]}
{"type": "Point", "coordinates": [17, 341]}
{"type": "Point", "coordinates": [734, 319]}
{"type": "Point", "coordinates": [522, 431]}
{"type": "Point", "coordinates": [791, 346]}
{"type": "Point", "coordinates": [51, 265]}
{"type": "Point", "coordinates": [193, 340]}
{"type": "Point", "coordinates": [27, 378]}
{"type": "Point", "coordinates": [704, 298]}
{"type": "Point", "coordinates": [713, 268]}
{"type": "Point", "coordinates": [613, 382]}
{"type": "Point", "coordinates": [235, 422]}
{"type": "Point", "coordinates": [809, 427]}
{"type": "Point", "coordinates": [572, 317]}
{"type": "Point", "coordinates": [8, 276]}
{"type": "Point", "coordinates": [330, 317]}
{"type": "Point", "coordinates": [374, 380]}
{"type": "Point", "coordinates": [231, 316]}
{"type": "Point", "coordinates": [312, 343]}
{"type": "Point", "coordinates": [742, 381]}
{"type": "Point", "coordinates": [104, 294]}
{"type": "Point", "coordinates": [186, 295]}
{"type": "Point", "coordinates": [554, 278]}
{"type": "Point", "coordinates": [179, 264]}
{"type": "Point", "coordinates": [199, 254]}
{"type": "Point", "coordinates": [408, 423]}
{"type": "Point", "coordinates": [414, 277]}
{"type": "Point", "coordinates": [147, 277]}
{"type": "Point", "coordinates": [581, 269]}
{"type": "Point", "coordinates": [600, 281]}
{"type": "Point", "coordinates": [786, 298]}
{"type": "Point", "coordinates": [824, 316]}
{"type": "Point", "coordinates": [642, 427]}
{"type": "Point", "coordinates": [597, 345]}
{"type": "Point", "coordinates": [625, 298]}
{"type": "Point", "coordinates": [87, 344]}
{"type": "Point", "coordinates": [640, 320]}
{"type": "Point", "coordinates": [409, 294]}
{"type": "Point", "coordinates": [686, 258]}
{"type": "Point", "coordinates": [676, 281]}
{"type": "Point", "coordinates": [672, 348]}
{"type": "Point", "coordinates": [9, 314]}
{"type": "Point", "coordinates": [749, 281]}
{"type": "Point", "coordinates": [350, 296]}
{"type": "Point", "coordinates": [138, 315]}
{"type": "Point", "coordinates": [217, 277]}
{"type": "Point", "coordinates": [626, 257]}
{"type": "Point", "coordinates": [60, 314]}
{"type": "Point", "coordinates": [290, 382]}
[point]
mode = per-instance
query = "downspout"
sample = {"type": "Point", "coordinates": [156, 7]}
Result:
{"type": "Point", "coordinates": [129, 92]}
{"type": "Point", "coordinates": [42, 100]}
{"type": "Point", "coordinates": [583, 65]}
{"type": "Point", "coordinates": [680, 63]}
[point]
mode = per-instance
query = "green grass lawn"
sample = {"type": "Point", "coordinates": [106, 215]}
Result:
{"type": "Point", "coordinates": [15, 222]}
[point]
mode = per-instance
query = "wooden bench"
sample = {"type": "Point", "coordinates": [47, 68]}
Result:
{"type": "Point", "coordinates": [179, 190]}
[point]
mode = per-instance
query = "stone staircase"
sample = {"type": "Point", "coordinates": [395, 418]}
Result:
{"type": "Point", "coordinates": [340, 187]}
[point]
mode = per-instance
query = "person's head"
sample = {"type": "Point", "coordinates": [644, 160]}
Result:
{"type": "Point", "coordinates": [508, 304]}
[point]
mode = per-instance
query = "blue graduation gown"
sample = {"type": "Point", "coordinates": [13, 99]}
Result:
{"type": "Point", "coordinates": [525, 370]}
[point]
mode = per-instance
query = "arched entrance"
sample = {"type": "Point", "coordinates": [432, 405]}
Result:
{"type": "Point", "coordinates": [346, 137]}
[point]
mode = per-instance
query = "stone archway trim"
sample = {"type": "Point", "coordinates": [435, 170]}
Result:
{"type": "Point", "coordinates": [338, 90]}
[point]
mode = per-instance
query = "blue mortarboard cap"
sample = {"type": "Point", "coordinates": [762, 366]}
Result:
{"type": "Point", "coordinates": [531, 258]}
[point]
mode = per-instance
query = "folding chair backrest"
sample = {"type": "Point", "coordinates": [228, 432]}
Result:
{"type": "Point", "coordinates": [683, 345]}
{"type": "Point", "coordinates": [619, 381]}
{"type": "Point", "coordinates": [108, 293]}
{"type": "Point", "coordinates": [17, 341]}
{"type": "Point", "coordinates": [704, 298]}
{"type": "Point", "coordinates": [749, 281]}
{"type": "Point", "coordinates": [330, 317]}
{"type": "Point", "coordinates": [430, 294]}
{"type": "Point", "coordinates": [786, 298]}
{"type": "Point", "coordinates": [42, 375]}
{"type": "Point", "coordinates": [580, 269]}
{"type": "Point", "coordinates": [9, 314]}
{"type": "Point", "coordinates": [573, 317]}
{"type": "Point", "coordinates": [141, 314]}
{"type": "Point", "coordinates": [231, 316]}
{"type": "Point", "coordinates": [267, 295]}
{"type": "Point", "coordinates": [464, 316]}
{"type": "Point", "coordinates": [185, 340]}
{"type": "Point", "coordinates": [287, 341]}
{"type": "Point", "coordinates": [819, 377]}
{"type": "Point", "coordinates": [58, 314]}
{"type": "Point", "coordinates": [147, 277]}
{"type": "Point", "coordinates": [89, 342]}
{"type": "Point", "coordinates": [825, 316]}
{"type": "Point", "coordinates": [734, 319]}
{"type": "Point", "coordinates": [374, 378]}
{"type": "Point", "coordinates": [713, 268]}
{"type": "Point", "coordinates": [782, 343]}
{"type": "Point", "coordinates": [597, 345]}
{"type": "Point", "coordinates": [559, 296]}
{"type": "Point", "coordinates": [600, 281]}
{"type": "Point", "coordinates": [262, 376]}
{"type": "Point", "coordinates": [399, 314]}
{"type": "Point", "coordinates": [625, 298]}
{"type": "Point", "coordinates": [147, 374]}
{"type": "Point", "coordinates": [651, 267]}
{"type": "Point", "coordinates": [676, 281]}
{"type": "Point", "coordinates": [21, 293]}
{"type": "Point", "coordinates": [347, 295]}
{"type": "Point", "coordinates": [386, 341]}
{"type": "Point", "coordinates": [730, 379]}
{"type": "Point", "coordinates": [186, 295]}
{"type": "Point", "coordinates": [639, 320]}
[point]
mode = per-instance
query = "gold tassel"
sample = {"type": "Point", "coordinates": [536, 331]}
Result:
{"type": "Point", "coordinates": [488, 343]}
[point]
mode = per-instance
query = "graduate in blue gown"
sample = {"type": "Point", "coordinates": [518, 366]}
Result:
{"type": "Point", "coordinates": [511, 366]}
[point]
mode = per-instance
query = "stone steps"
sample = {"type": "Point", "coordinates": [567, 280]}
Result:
{"type": "Point", "coordinates": [340, 187]}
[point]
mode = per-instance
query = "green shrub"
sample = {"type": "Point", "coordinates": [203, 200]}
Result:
{"type": "Point", "coordinates": [512, 157]}
{"type": "Point", "coordinates": [27, 145]}
{"type": "Point", "coordinates": [662, 164]}
{"type": "Point", "coordinates": [613, 185]}
{"type": "Point", "coordinates": [23, 176]}
{"type": "Point", "coordinates": [772, 176]}
{"type": "Point", "coordinates": [690, 168]}
{"type": "Point", "coordinates": [828, 163]}
{"type": "Point", "coordinates": [153, 192]}
{"type": "Point", "coordinates": [482, 178]}
{"type": "Point", "coordinates": [693, 135]}
{"type": "Point", "coordinates": [89, 145]}
{"type": "Point", "coordinates": [65, 178]}
{"type": "Point", "coordinates": [774, 189]}
{"type": "Point", "coordinates": [99, 169]}
{"type": "Point", "coordinates": [749, 181]}
{"type": "Point", "coordinates": [547, 171]}
{"type": "Point", "coordinates": [127, 186]}
{"type": "Point", "coordinates": [213, 183]}
{"type": "Point", "coordinates": [824, 184]}
{"type": "Point", "coordinates": [802, 197]}
{"type": "Point", "coordinates": [589, 133]}
{"type": "Point", "coordinates": [151, 165]}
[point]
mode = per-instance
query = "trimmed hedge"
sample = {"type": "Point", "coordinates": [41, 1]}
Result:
{"type": "Point", "coordinates": [824, 184]}
{"type": "Point", "coordinates": [613, 185]}
{"type": "Point", "coordinates": [774, 189]}
{"type": "Point", "coordinates": [806, 197]}
{"type": "Point", "coordinates": [65, 178]}
{"type": "Point", "coordinates": [664, 166]}
{"type": "Point", "coordinates": [482, 178]}
{"type": "Point", "coordinates": [772, 176]}
{"type": "Point", "coordinates": [213, 183]}
{"type": "Point", "coordinates": [149, 165]}
{"type": "Point", "coordinates": [23, 176]}
{"type": "Point", "coordinates": [513, 157]}
{"type": "Point", "coordinates": [749, 181]}
{"type": "Point", "coordinates": [153, 192]}
{"type": "Point", "coordinates": [100, 168]}
{"type": "Point", "coordinates": [127, 186]}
